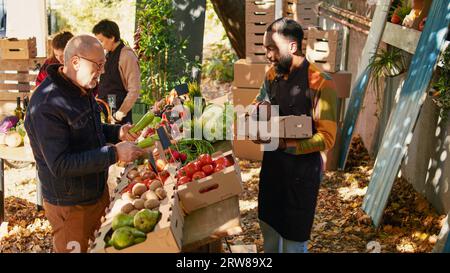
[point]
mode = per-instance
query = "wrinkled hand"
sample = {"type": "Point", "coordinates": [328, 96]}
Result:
{"type": "Point", "coordinates": [128, 151]}
{"type": "Point", "coordinates": [126, 135]}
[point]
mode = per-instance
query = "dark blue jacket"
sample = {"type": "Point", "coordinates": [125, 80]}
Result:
{"type": "Point", "coordinates": [69, 142]}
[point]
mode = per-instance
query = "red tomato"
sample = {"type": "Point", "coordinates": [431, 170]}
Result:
{"type": "Point", "coordinates": [198, 175]}
{"type": "Point", "coordinates": [223, 161]}
{"type": "Point", "coordinates": [182, 172]}
{"type": "Point", "coordinates": [189, 169]}
{"type": "Point", "coordinates": [205, 159]}
{"type": "Point", "coordinates": [198, 165]}
{"type": "Point", "coordinates": [219, 167]}
{"type": "Point", "coordinates": [183, 180]}
{"type": "Point", "coordinates": [208, 169]}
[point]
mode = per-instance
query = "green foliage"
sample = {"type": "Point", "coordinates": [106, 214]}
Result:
{"type": "Point", "coordinates": [442, 85]}
{"type": "Point", "coordinates": [394, 5]}
{"type": "Point", "coordinates": [403, 11]}
{"type": "Point", "coordinates": [385, 63]}
{"type": "Point", "coordinates": [220, 65]}
{"type": "Point", "coordinates": [218, 53]}
{"type": "Point", "coordinates": [400, 7]}
{"type": "Point", "coordinates": [81, 16]}
{"type": "Point", "coordinates": [162, 51]}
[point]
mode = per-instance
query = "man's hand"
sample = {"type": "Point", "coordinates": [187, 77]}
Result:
{"type": "Point", "coordinates": [282, 142]}
{"type": "Point", "coordinates": [128, 151]}
{"type": "Point", "coordinates": [118, 116]}
{"type": "Point", "coordinates": [126, 135]}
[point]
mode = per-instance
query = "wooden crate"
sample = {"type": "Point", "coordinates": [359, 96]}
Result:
{"type": "Point", "coordinates": [258, 16]}
{"type": "Point", "coordinates": [259, 11]}
{"type": "Point", "coordinates": [306, 13]}
{"type": "Point", "coordinates": [18, 49]}
{"type": "Point", "coordinates": [324, 49]}
{"type": "Point", "coordinates": [17, 79]}
{"type": "Point", "coordinates": [255, 52]}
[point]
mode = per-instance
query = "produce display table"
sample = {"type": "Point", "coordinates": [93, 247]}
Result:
{"type": "Point", "coordinates": [14, 154]}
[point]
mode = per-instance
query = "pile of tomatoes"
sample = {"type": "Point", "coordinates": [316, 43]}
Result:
{"type": "Point", "coordinates": [202, 167]}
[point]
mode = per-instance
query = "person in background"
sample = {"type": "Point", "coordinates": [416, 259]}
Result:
{"type": "Point", "coordinates": [291, 174]}
{"type": "Point", "coordinates": [72, 148]}
{"type": "Point", "coordinates": [122, 77]}
{"type": "Point", "coordinates": [59, 42]}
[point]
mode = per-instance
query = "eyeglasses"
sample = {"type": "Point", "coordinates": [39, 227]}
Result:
{"type": "Point", "coordinates": [99, 66]}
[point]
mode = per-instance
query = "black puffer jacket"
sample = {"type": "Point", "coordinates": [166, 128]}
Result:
{"type": "Point", "coordinates": [69, 141]}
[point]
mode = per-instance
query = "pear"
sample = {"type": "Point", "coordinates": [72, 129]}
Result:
{"type": "Point", "coordinates": [145, 220]}
{"type": "Point", "coordinates": [122, 220]}
{"type": "Point", "coordinates": [125, 237]}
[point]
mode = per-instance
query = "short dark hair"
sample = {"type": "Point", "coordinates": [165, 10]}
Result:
{"type": "Point", "coordinates": [107, 28]}
{"type": "Point", "coordinates": [289, 28]}
{"type": "Point", "coordinates": [60, 40]}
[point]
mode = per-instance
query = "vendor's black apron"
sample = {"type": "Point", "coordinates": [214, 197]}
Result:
{"type": "Point", "coordinates": [111, 81]}
{"type": "Point", "coordinates": [289, 184]}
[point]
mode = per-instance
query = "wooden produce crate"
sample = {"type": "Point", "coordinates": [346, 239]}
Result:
{"type": "Point", "coordinates": [258, 16]}
{"type": "Point", "coordinates": [324, 49]}
{"type": "Point", "coordinates": [17, 79]}
{"type": "Point", "coordinates": [304, 12]}
{"type": "Point", "coordinates": [259, 11]}
{"type": "Point", "coordinates": [13, 49]}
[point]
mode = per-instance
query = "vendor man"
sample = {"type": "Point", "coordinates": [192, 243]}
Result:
{"type": "Point", "coordinates": [290, 175]}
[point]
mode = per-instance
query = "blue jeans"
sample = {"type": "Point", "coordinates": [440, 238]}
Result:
{"type": "Point", "coordinates": [274, 243]}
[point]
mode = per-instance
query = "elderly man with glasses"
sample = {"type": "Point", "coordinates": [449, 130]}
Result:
{"type": "Point", "coordinates": [72, 148]}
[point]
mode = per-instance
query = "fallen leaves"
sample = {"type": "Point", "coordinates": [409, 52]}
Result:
{"type": "Point", "coordinates": [410, 224]}
{"type": "Point", "coordinates": [28, 230]}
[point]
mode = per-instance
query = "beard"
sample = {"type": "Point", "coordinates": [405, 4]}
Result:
{"type": "Point", "coordinates": [283, 66]}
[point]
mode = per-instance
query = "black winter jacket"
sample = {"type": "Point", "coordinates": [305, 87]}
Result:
{"type": "Point", "coordinates": [69, 142]}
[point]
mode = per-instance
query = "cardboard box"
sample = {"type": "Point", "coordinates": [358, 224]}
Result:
{"type": "Point", "coordinates": [288, 127]}
{"type": "Point", "coordinates": [218, 186]}
{"type": "Point", "coordinates": [246, 149]}
{"type": "Point", "coordinates": [343, 81]}
{"type": "Point", "coordinates": [20, 49]}
{"type": "Point", "coordinates": [248, 75]}
{"type": "Point", "coordinates": [165, 238]}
